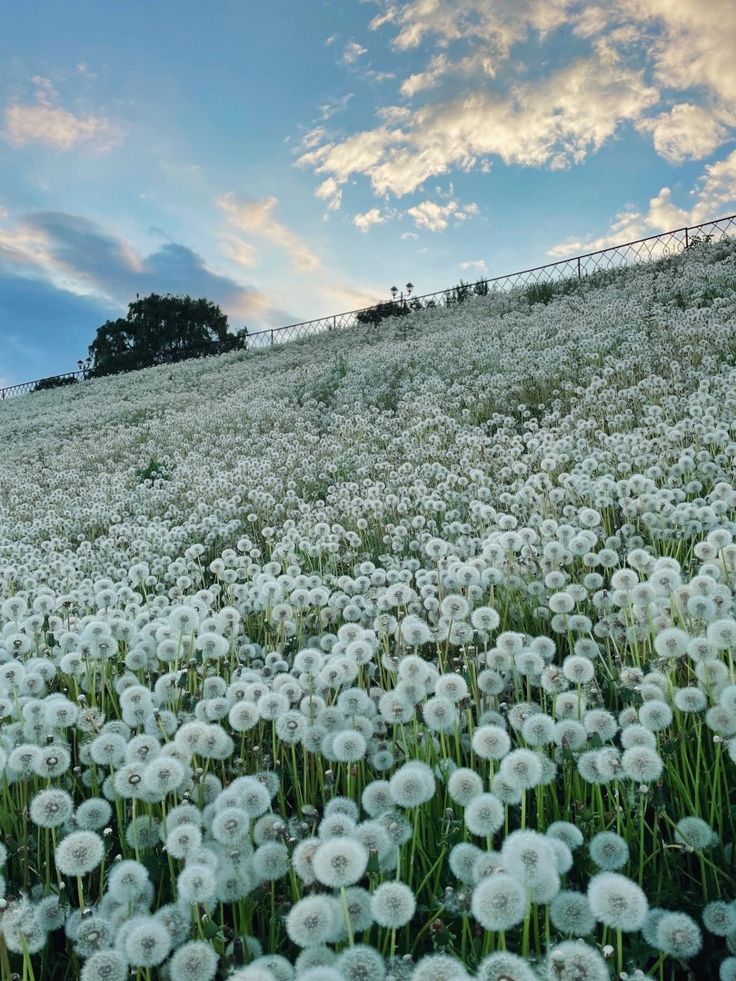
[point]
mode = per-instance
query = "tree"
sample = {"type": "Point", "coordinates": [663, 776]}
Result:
{"type": "Point", "coordinates": [159, 330]}
{"type": "Point", "coordinates": [55, 381]}
{"type": "Point", "coordinates": [458, 294]}
{"type": "Point", "coordinates": [382, 311]}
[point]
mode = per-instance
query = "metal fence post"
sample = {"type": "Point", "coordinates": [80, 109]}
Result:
{"type": "Point", "coordinates": [271, 338]}
{"type": "Point", "coordinates": [687, 240]}
{"type": "Point", "coordinates": [579, 272]}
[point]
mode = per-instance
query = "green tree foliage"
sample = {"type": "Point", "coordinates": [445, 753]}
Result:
{"type": "Point", "coordinates": [465, 291]}
{"type": "Point", "coordinates": [159, 330]}
{"type": "Point", "coordinates": [382, 311]}
{"type": "Point", "coordinates": [458, 294]}
{"type": "Point", "coordinates": [55, 381]}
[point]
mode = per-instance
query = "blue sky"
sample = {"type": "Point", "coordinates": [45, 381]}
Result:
{"type": "Point", "coordinates": [290, 160]}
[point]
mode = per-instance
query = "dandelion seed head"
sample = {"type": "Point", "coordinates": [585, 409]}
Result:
{"type": "Point", "coordinates": [358, 903]}
{"type": "Point", "coordinates": [439, 967]}
{"type": "Point", "coordinates": [127, 880]}
{"type": "Point", "coordinates": [440, 714]}
{"type": "Point", "coordinates": [310, 921]}
{"type": "Point", "coordinates": [271, 861]}
{"type": "Point", "coordinates": [678, 935]}
{"type": "Point", "coordinates": [719, 918]}
{"type": "Point", "coordinates": [463, 857]}
{"type": "Point", "coordinates": [609, 850]}
{"type": "Point", "coordinates": [642, 764]}
{"type": "Point", "coordinates": [196, 884]}
{"type": "Point", "coordinates": [573, 960]}
{"type": "Point", "coordinates": [695, 833]}
{"type": "Point", "coordinates": [50, 913]}
{"type": "Point", "coordinates": [175, 920]}
{"type": "Point", "coordinates": [538, 730]}
{"type": "Point", "coordinates": [314, 958]}
{"type": "Point", "coordinates": [484, 815]}
{"type": "Point", "coordinates": [655, 715]}
{"type": "Point", "coordinates": [79, 852]}
{"type": "Point", "coordinates": [570, 913]}
{"type": "Point", "coordinates": [505, 966]}
{"type": "Point", "coordinates": [491, 742]}
{"type": "Point", "coordinates": [568, 833]}
{"type": "Point", "coordinates": [570, 734]}
{"type": "Point", "coordinates": [617, 902]}
{"type": "Point", "coordinates": [524, 766]}
{"type": "Point", "coordinates": [147, 942]}
{"type": "Point", "coordinates": [638, 735]}
{"type": "Point", "coordinates": [183, 839]}
{"type": "Point", "coordinates": [463, 785]}
{"type": "Point", "coordinates": [105, 965]}
{"type": "Point", "coordinates": [727, 969]}
{"type": "Point", "coordinates": [195, 960]}
{"type": "Point", "coordinates": [361, 963]}
{"type": "Point", "coordinates": [51, 808]}
{"type": "Point", "coordinates": [412, 784]}
{"type": "Point", "coordinates": [268, 967]}
{"type": "Point", "coordinates": [393, 905]}
{"type": "Point", "coordinates": [499, 902]}
{"type": "Point", "coordinates": [339, 862]}
{"type": "Point", "coordinates": [507, 788]}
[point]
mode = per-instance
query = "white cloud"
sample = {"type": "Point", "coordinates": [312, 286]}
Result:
{"type": "Point", "coordinates": [476, 68]}
{"type": "Point", "coordinates": [331, 107]}
{"type": "Point", "coordinates": [433, 217]}
{"type": "Point", "coordinates": [696, 45]}
{"type": "Point", "coordinates": [393, 115]}
{"type": "Point", "coordinates": [689, 43]}
{"type": "Point", "coordinates": [664, 214]}
{"type": "Point", "coordinates": [256, 218]}
{"type": "Point", "coordinates": [80, 257]}
{"type": "Point", "coordinates": [555, 122]}
{"type": "Point", "coordinates": [689, 46]}
{"type": "Point", "coordinates": [475, 265]}
{"type": "Point", "coordinates": [716, 190]}
{"type": "Point", "coordinates": [686, 132]}
{"type": "Point", "coordinates": [84, 69]}
{"type": "Point", "coordinates": [713, 196]}
{"type": "Point", "coordinates": [664, 66]}
{"type": "Point", "coordinates": [310, 139]}
{"type": "Point", "coordinates": [374, 75]}
{"type": "Point", "coordinates": [352, 52]}
{"type": "Point", "coordinates": [344, 297]}
{"type": "Point", "coordinates": [592, 20]}
{"type": "Point", "coordinates": [427, 79]}
{"type": "Point", "coordinates": [47, 123]}
{"type": "Point", "coordinates": [26, 248]}
{"type": "Point", "coordinates": [240, 252]}
{"type": "Point", "coordinates": [500, 24]}
{"type": "Point", "coordinates": [367, 218]}
{"type": "Point", "coordinates": [330, 192]}
{"type": "Point", "coordinates": [356, 154]}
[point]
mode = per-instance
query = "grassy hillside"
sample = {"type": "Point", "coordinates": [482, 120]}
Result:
{"type": "Point", "coordinates": [404, 651]}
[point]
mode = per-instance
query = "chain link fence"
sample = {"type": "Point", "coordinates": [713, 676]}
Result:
{"type": "Point", "coordinates": [654, 247]}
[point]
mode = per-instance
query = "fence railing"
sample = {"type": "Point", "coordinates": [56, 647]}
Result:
{"type": "Point", "coordinates": [653, 247]}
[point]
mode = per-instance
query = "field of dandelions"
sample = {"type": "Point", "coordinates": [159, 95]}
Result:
{"type": "Point", "coordinates": [398, 653]}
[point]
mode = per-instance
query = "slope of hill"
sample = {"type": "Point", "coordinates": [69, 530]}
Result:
{"type": "Point", "coordinates": [275, 433]}
{"type": "Point", "coordinates": [426, 630]}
